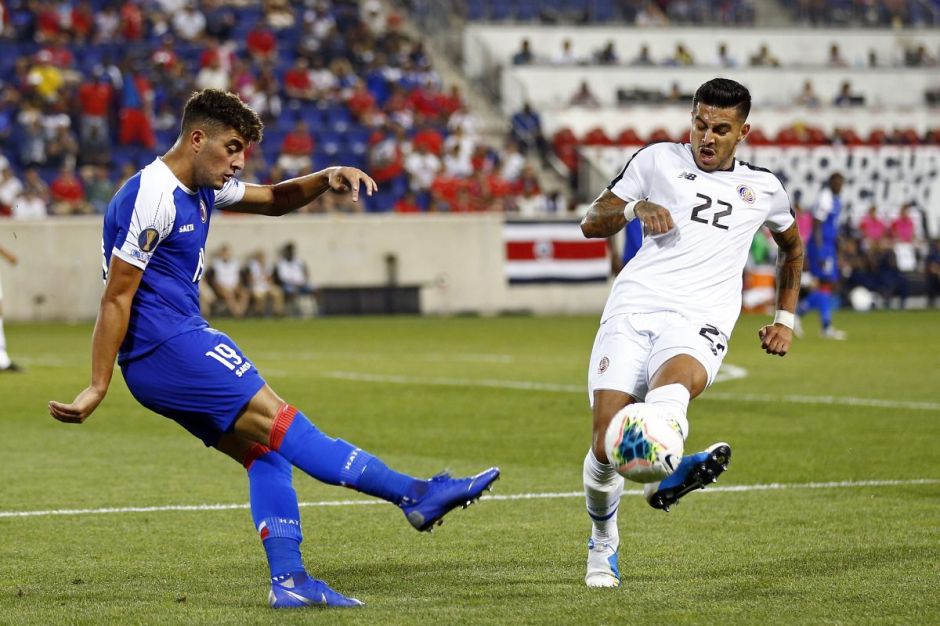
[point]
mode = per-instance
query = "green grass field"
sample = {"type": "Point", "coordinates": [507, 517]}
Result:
{"type": "Point", "coordinates": [862, 417]}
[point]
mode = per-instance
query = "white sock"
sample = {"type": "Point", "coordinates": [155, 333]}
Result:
{"type": "Point", "coordinates": [4, 357]}
{"type": "Point", "coordinates": [674, 399]}
{"type": "Point", "coordinates": [603, 487]}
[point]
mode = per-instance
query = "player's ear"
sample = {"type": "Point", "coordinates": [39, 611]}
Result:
{"type": "Point", "coordinates": [744, 131]}
{"type": "Point", "coordinates": [198, 139]}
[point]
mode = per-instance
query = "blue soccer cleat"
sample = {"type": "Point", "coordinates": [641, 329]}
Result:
{"type": "Point", "coordinates": [297, 590]}
{"type": "Point", "coordinates": [444, 494]}
{"type": "Point", "coordinates": [694, 472]}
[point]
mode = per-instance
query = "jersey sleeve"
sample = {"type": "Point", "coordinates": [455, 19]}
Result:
{"type": "Point", "coordinates": [781, 215]}
{"type": "Point", "coordinates": [149, 221]}
{"type": "Point", "coordinates": [823, 206]}
{"type": "Point", "coordinates": [230, 193]}
{"type": "Point", "coordinates": [632, 183]}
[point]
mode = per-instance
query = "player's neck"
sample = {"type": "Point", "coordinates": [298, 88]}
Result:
{"type": "Point", "coordinates": [181, 166]}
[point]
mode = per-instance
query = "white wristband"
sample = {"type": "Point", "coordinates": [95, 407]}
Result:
{"type": "Point", "coordinates": [628, 211]}
{"type": "Point", "coordinates": [784, 317]}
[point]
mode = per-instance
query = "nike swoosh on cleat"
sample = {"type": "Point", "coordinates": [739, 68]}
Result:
{"type": "Point", "coordinates": [300, 598]}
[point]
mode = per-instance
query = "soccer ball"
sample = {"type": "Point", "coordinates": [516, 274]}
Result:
{"type": "Point", "coordinates": [643, 444]}
{"type": "Point", "coordinates": [861, 299]}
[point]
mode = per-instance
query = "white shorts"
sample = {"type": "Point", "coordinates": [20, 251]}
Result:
{"type": "Point", "coordinates": [630, 348]}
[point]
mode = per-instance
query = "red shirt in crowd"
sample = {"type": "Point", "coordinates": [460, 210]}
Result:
{"type": "Point", "coordinates": [95, 99]}
{"type": "Point", "coordinates": [297, 143]}
{"type": "Point", "coordinates": [261, 42]}
{"type": "Point", "coordinates": [67, 188]}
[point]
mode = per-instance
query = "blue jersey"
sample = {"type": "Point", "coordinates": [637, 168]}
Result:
{"type": "Point", "coordinates": [157, 224]}
{"type": "Point", "coordinates": [827, 211]}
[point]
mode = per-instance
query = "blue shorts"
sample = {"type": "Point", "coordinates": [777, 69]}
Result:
{"type": "Point", "coordinates": [199, 379]}
{"type": "Point", "coordinates": [822, 262]}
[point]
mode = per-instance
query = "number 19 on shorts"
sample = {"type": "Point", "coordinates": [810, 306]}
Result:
{"type": "Point", "coordinates": [227, 356]}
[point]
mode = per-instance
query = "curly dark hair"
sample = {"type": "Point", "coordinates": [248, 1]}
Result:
{"type": "Point", "coordinates": [221, 109]}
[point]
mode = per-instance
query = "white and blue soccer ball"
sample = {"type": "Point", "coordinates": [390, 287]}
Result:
{"type": "Point", "coordinates": [643, 444]}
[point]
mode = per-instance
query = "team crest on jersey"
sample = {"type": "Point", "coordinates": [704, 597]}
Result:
{"type": "Point", "coordinates": [148, 239]}
{"type": "Point", "coordinates": [603, 365]}
{"type": "Point", "coordinates": [747, 194]}
{"type": "Point", "coordinates": [203, 212]}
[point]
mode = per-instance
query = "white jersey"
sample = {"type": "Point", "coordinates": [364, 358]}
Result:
{"type": "Point", "coordinates": [696, 268]}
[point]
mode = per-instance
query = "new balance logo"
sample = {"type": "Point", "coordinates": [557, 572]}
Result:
{"type": "Point", "coordinates": [688, 175]}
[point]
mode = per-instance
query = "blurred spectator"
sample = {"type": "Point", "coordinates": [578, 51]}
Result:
{"type": "Point", "coordinates": [361, 102]}
{"type": "Point", "coordinates": [30, 205]}
{"type": "Point", "coordinates": [189, 24]}
{"type": "Point", "coordinates": [918, 57]}
{"type": "Point", "coordinates": [11, 189]}
{"type": "Point", "coordinates": [386, 157]}
{"type": "Point", "coordinates": [607, 55]}
{"type": "Point", "coordinates": [213, 75]}
{"type": "Point", "coordinates": [62, 148]}
{"type": "Point", "coordinates": [891, 281]}
{"type": "Point", "coordinates": [135, 125]}
{"type": "Point", "coordinates": [428, 136]}
{"type": "Point", "coordinates": [566, 55]}
{"type": "Point", "coordinates": [98, 189]}
{"type": "Point", "coordinates": [290, 273]}
{"type": "Point", "coordinates": [872, 227]}
{"type": "Point", "coordinates": [681, 57]}
{"type": "Point", "coordinates": [455, 162]}
{"type": "Point", "coordinates": [68, 194]}
{"type": "Point", "coordinates": [835, 57]}
{"type": "Point", "coordinates": [220, 19]}
{"type": "Point", "coordinates": [643, 58]}
{"type": "Point", "coordinates": [513, 162]}
{"type": "Point", "coordinates": [297, 150]}
{"type": "Point", "coordinates": [225, 279]}
{"type": "Point", "coordinates": [261, 43]}
{"type": "Point", "coordinates": [46, 79]}
{"type": "Point", "coordinates": [32, 144]}
{"type": "Point", "coordinates": [531, 202]}
{"type": "Point", "coordinates": [723, 58]}
{"type": "Point", "coordinates": [902, 227]}
{"type": "Point", "coordinates": [524, 55]}
{"type": "Point", "coordinates": [527, 130]}
{"type": "Point", "coordinates": [297, 83]}
{"type": "Point", "coordinates": [82, 21]}
{"type": "Point", "coordinates": [584, 97]}
{"type": "Point", "coordinates": [95, 149]}
{"type": "Point", "coordinates": [807, 96]}
{"type": "Point", "coordinates": [407, 204]}
{"type": "Point", "coordinates": [650, 15]}
{"type": "Point", "coordinates": [278, 14]}
{"type": "Point", "coordinates": [764, 58]}
{"type": "Point", "coordinates": [845, 97]}
{"type": "Point", "coordinates": [132, 21]}
{"type": "Point", "coordinates": [932, 272]}
{"type": "Point", "coordinates": [422, 167]}
{"type": "Point", "coordinates": [95, 97]}
{"type": "Point", "coordinates": [32, 181]}
{"type": "Point", "coordinates": [265, 295]}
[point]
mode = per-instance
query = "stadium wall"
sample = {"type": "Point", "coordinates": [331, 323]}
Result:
{"type": "Point", "coordinates": [458, 262]}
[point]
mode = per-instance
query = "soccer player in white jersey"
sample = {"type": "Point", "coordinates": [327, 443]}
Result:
{"type": "Point", "coordinates": [672, 308]}
{"type": "Point", "coordinates": [6, 365]}
{"type": "Point", "coordinates": [174, 364]}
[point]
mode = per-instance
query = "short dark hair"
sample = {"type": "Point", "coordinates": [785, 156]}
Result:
{"type": "Point", "coordinates": [724, 93]}
{"type": "Point", "coordinates": [217, 108]}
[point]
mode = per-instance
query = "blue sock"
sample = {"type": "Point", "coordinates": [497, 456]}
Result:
{"type": "Point", "coordinates": [274, 511]}
{"type": "Point", "coordinates": [338, 462]}
{"type": "Point", "coordinates": [825, 309]}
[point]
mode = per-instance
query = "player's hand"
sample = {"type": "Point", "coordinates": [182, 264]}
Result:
{"type": "Point", "coordinates": [656, 219]}
{"type": "Point", "coordinates": [75, 413]}
{"type": "Point", "coordinates": [775, 338]}
{"type": "Point", "coordinates": [343, 179]}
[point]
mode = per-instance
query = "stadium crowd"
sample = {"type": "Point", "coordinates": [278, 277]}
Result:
{"type": "Point", "coordinates": [88, 91]}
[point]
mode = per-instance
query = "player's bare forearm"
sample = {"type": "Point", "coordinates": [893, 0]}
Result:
{"type": "Point", "coordinates": [605, 217]}
{"type": "Point", "coordinates": [789, 268]}
{"type": "Point", "coordinates": [111, 326]}
{"type": "Point", "coordinates": [289, 195]}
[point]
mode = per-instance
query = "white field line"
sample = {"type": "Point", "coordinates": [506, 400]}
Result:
{"type": "Point", "coordinates": [561, 388]}
{"type": "Point", "coordinates": [845, 484]}
{"type": "Point", "coordinates": [470, 357]}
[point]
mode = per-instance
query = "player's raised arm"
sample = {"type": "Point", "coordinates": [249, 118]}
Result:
{"type": "Point", "coordinates": [292, 194]}
{"type": "Point", "coordinates": [110, 328]}
{"type": "Point", "coordinates": [775, 338]}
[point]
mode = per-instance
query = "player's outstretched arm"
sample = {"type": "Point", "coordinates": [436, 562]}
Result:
{"type": "Point", "coordinates": [110, 328]}
{"type": "Point", "coordinates": [776, 338]}
{"type": "Point", "coordinates": [606, 216]}
{"type": "Point", "coordinates": [290, 195]}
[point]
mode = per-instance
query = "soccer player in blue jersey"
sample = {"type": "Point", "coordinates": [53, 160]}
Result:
{"type": "Point", "coordinates": [155, 232]}
{"type": "Point", "coordinates": [821, 253]}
